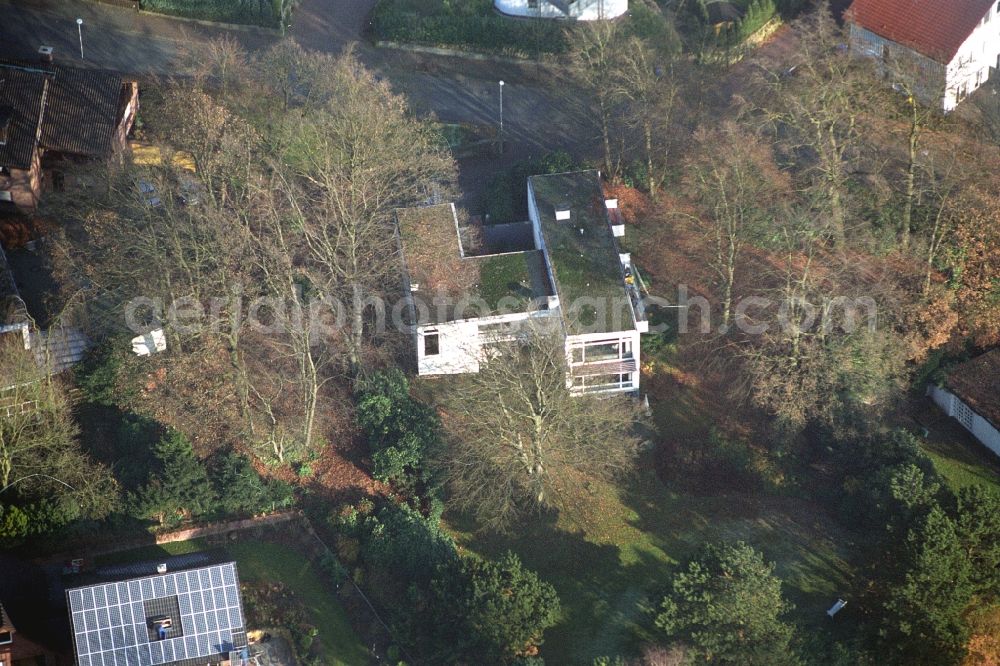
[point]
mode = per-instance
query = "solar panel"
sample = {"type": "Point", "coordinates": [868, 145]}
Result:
{"type": "Point", "coordinates": [119, 624]}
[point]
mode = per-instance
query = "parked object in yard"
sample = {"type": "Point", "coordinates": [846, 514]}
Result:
{"type": "Point", "coordinates": [150, 343]}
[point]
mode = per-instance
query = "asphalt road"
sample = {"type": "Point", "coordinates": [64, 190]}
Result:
{"type": "Point", "coordinates": [540, 111]}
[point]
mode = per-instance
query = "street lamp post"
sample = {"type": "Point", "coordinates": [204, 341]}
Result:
{"type": "Point", "coordinates": [79, 30]}
{"type": "Point", "coordinates": [501, 116]}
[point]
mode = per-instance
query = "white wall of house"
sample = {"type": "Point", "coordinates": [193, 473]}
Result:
{"type": "Point", "coordinates": [581, 10]}
{"type": "Point", "coordinates": [980, 428]}
{"type": "Point", "coordinates": [970, 68]}
{"type": "Point", "coordinates": [460, 344]}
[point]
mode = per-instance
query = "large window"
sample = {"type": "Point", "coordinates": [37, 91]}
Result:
{"type": "Point", "coordinates": [432, 343]}
{"type": "Point", "coordinates": [601, 350]}
{"type": "Point", "coordinates": [598, 383]}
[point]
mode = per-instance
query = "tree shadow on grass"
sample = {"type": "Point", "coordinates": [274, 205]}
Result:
{"type": "Point", "coordinates": [811, 552]}
{"type": "Point", "coordinates": [603, 600]}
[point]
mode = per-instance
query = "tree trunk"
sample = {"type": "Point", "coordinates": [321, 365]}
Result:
{"type": "Point", "coordinates": [911, 182]}
{"type": "Point", "coordinates": [648, 130]}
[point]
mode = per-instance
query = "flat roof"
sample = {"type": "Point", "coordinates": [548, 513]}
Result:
{"type": "Point", "coordinates": [113, 624]}
{"type": "Point", "coordinates": [583, 253]}
{"type": "Point", "coordinates": [451, 286]}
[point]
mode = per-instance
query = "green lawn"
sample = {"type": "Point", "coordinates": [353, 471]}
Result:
{"type": "Point", "coordinates": [267, 561]}
{"type": "Point", "coordinates": [959, 457]}
{"type": "Point", "coordinates": [608, 549]}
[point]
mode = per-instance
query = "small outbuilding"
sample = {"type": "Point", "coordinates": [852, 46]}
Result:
{"type": "Point", "coordinates": [971, 395]}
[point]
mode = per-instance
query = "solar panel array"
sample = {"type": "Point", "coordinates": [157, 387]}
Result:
{"type": "Point", "coordinates": [110, 625]}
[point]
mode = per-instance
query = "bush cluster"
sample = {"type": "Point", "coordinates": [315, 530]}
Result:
{"type": "Point", "coordinates": [472, 25]}
{"type": "Point", "coordinates": [181, 487]}
{"type": "Point", "coordinates": [400, 430]}
{"type": "Point", "coordinates": [265, 13]}
{"type": "Point", "coordinates": [506, 196]}
{"type": "Point", "coordinates": [443, 606]}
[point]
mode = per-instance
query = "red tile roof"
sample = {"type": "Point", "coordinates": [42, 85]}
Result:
{"type": "Point", "coordinates": [934, 28]}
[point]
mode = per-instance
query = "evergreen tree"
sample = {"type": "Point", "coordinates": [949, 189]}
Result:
{"type": "Point", "coordinates": [924, 610]}
{"type": "Point", "coordinates": [241, 490]}
{"type": "Point", "coordinates": [180, 488]}
{"type": "Point", "coordinates": [978, 524]}
{"type": "Point", "coordinates": [726, 605]}
{"type": "Point", "coordinates": [497, 610]}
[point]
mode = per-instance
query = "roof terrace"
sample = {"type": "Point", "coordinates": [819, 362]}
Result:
{"type": "Point", "coordinates": [583, 254]}
{"type": "Point", "coordinates": [449, 283]}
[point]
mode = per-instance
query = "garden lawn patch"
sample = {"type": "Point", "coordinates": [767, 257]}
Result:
{"type": "Point", "coordinates": [610, 551]}
{"type": "Point", "coordinates": [959, 458]}
{"type": "Point", "coordinates": [266, 561]}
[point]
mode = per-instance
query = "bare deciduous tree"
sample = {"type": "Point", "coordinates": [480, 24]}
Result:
{"type": "Point", "coordinates": [516, 435]}
{"type": "Point", "coordinates": [735, 179]}
{"type": "Point", "coordinates": [40, 458]}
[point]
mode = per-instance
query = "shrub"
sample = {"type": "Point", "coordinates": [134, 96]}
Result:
{"type": "Point", "coordinates": [472, 24]}
{"type": "Point", "coordinates": [400, 429]}
{"type": "Point", "coordinates": [332, 567]}
{"type": "Point", "coordinates": [399, 540]}
{"type": "Point", "coordinates": [14, 525]}
{"type": "Point", "coordinates": [506, 196]}
{"type": "Point", "coordinates": [241, 490]}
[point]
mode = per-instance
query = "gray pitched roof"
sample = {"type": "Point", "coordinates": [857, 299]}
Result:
{"type": "Point", "coordinates": [82, 111]}
{"type": "Point", "coordinates": [22, 100]}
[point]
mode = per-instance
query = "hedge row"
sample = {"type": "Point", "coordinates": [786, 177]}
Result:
{"type": "Point", "coordinates": [265, 13]}
{"type": "Point", "coordinates": [393, 22]}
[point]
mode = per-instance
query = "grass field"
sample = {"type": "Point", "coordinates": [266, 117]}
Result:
{"type": "Point", "coordinates": [959, 457]}
{"type": "Point", "coordinates": [265, 561]}
{"type": "Point", "coordinates": [608, 550]}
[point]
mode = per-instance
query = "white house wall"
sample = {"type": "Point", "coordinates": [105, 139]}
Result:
{"type": "Point", "coordinates": [980, 428]}
{"type": "Point", "coordinates": [970, 68]}
{"type": "Point", "coordinates": [460, 343]}
{"type": "Point", "coordinates": [581, 10]}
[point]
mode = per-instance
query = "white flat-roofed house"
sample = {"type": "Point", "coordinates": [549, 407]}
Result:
{"type": "Point", "coordinates": [950, 47]}
{"type": "Point", "coordinates": [580, 10]}
{"type": "Point", "coordinates": [567, 274]}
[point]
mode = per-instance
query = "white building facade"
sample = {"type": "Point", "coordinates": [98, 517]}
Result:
{"type": "Point", "coordinates": [580, 10]}
{"type": "Point", "coordinates": [597, 312]}
{"type": "Point", "coordinates": [953, 406]}
{"type": "Point", "coordinates": [950, 47]}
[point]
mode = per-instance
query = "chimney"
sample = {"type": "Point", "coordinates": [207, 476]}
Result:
{"type": "Point", "coordinates": [45, 54]}
{"type": "Point", "coordinates": [161, 568]}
